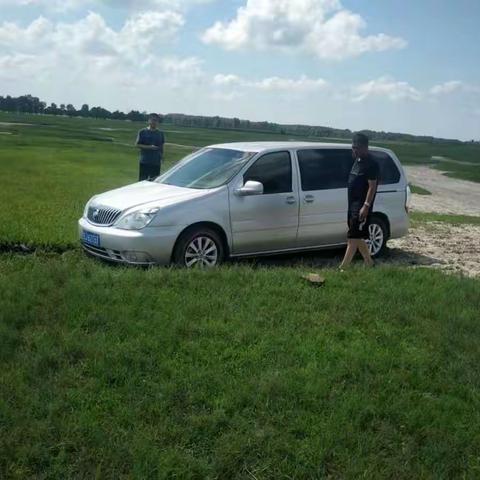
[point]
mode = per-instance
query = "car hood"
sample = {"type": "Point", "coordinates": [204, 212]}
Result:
{"type": "Point", "coordinates": [146, 193]}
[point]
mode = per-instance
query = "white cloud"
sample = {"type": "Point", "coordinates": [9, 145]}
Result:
{"type": "Point", "coordinates": [270, 84]}
{"type": "Point", "coordinates": [90, 60]}
{"type": "Point", "coordinates": [228, 80]}
{"type": "Point", "coordinates": [91, 36]}
{"type": "Point", "coordinates": [319, 27]}
{"type": "Point", "coordinates": [385, 87]}
{"type": "Point", "coordinates": [302, 84]}
{"type": "Point", "coordinates": [454, 86]}
{"type": "Point", "coordinates": [65, 5]}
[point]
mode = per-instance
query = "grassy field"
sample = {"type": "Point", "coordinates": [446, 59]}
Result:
{"type": "Point", "coordinates": [422, 217]}
{"type": "Point", "coordinates": [464, 171]}
{"type": "Point", "coordinates": [244, 372]}
{"type": "Point", "coordinates": [111, 372]}
{"type": "Point", "coordinates": [419, 190]}
{"type": "Point", "coordinates": [41, 155]}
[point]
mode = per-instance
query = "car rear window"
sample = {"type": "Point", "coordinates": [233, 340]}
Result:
{"type": "Point", "coordinates": [388, 171]}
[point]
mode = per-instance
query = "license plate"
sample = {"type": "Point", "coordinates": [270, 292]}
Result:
{"type": "Point", "coordinates": [91, 238]}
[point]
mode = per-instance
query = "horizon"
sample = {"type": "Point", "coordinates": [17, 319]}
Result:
{"type": "Point", "coordinates": [343, 65]}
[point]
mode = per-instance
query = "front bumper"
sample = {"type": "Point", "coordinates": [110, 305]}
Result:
{"type": "Point", "coordinates": [149, 246]}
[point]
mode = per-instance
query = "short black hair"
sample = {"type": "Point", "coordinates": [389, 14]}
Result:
{"type": "Point", "coordinates": [154, 115]}
{"type": "Point", "coordinates": [360, 139]}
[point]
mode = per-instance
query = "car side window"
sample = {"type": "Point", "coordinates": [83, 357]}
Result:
{"type": "Point", "coordinates": [388, 171]}
{"type": "Point", "coordinates": [324, 169]}
{"type": "Point", "coordinates": [274, 171]}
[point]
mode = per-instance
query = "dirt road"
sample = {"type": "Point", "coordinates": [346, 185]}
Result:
{"type": "Point", "coordinates": [449, 195]}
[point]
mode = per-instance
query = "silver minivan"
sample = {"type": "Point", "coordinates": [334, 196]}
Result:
{"type": "Point", "coordinates": [242, 199]}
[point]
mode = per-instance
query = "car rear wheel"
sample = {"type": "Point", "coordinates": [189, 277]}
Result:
{"type": "Point", "coordinates": [378, 236]}
{"type": "Point", "coordinates": [199, 247]}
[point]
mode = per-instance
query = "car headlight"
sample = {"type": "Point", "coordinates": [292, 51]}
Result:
{"type": "Point", "coordinates": [85, 210]}
{"type": "Point", "coordinates": [137, 220]}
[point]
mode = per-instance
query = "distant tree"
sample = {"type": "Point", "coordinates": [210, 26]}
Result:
{"type": "Point", "coordinates": [99, 112]}
{"type": "Point", "coordinates": [71, 110]}
{"type": "Point", "coordinates": [30, 104]}
{"type": "Point", "coordinates": [136, 116]}
{"type": "Point", "coordinates": [117, 115]}
{"type": "Point", "coordinates": [52, 109]}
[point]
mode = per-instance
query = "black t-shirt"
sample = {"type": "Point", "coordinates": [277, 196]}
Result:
{"type": "Point", "coordinates": [362, 171]}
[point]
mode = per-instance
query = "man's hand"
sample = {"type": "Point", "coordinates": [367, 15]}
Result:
{"type": "Point", "coordinates": [147, 147]}
{"type": "Point", "coordinates": [364, 212]}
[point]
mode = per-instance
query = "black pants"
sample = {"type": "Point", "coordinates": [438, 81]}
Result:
{"type": "Point", "coordinates": [148, 172]}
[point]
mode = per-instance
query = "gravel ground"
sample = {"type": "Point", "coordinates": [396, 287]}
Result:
{"type": "Point", "coordinates": [449, 195]}
{"type": "Point", "coordinates": [452, 248]}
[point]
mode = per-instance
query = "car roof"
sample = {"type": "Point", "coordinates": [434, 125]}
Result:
{"type": "Point", "coordinates": [287, 145]}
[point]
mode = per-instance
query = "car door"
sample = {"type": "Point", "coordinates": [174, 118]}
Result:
{"type": "Point", "coordinates": [266, 222]}
{"type": "Point", "coordinates": [323, 196]}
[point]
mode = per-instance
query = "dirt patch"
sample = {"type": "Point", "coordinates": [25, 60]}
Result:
{"type": "Point", "coordinates": [452, 248]}
{"type": "Point", "coordinates": [439, 245]}
{"type": "Point", "coordinates": [23, 249]}
{"type": "Point", "coordinates": [448, 195]}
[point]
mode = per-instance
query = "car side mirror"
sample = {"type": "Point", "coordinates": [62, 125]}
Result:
{"type": "Point", "coordinates": [251, 187]}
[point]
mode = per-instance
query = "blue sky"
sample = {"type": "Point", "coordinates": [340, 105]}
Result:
{"type": "Point", "coordinates": [408, 66]}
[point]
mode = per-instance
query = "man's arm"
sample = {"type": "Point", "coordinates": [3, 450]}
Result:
{"type": "Point", "coordinates": [162, 144]}
{"type": "Point", "coordinates": [372, 189]}
{"type": "Point", "coordinates": [372, 177]}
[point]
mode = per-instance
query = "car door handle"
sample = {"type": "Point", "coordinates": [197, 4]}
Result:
{"type": "Point", "coordinates": [291, 199]}
{"type": "Point", "coordinates": [309, 199]}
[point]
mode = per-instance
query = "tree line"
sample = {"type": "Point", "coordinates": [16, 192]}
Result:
{"type": "Point", "coordinates": [31, 104]}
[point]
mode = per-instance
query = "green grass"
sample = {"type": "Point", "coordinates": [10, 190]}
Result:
{"type": "Point", "coordinates": [469, 172]}
{"type": "Point", "coordinates": [55, 164]}
{"type": "Point", "coordinates": [419, 190]}
{"type": "Point", "coordinates": [242, 372]}
{"type": "Point", "coordinates": [422, 217]}
{"type": "Point", "coordinates": [116, 372]}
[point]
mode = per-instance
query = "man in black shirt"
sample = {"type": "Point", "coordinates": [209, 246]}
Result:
{"type": "Point", "coordinates": [362, 187]}
{"type": "Point", "coordinates": [150, 141]}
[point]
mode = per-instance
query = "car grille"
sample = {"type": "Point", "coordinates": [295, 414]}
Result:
{"type": "Point", "coordinates": [102, 215]}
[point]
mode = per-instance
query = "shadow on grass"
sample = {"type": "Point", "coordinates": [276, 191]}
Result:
{"type": "Point", "coordinates": [314, 259]}
{"type": "Point", "coordinates": [333, 258]}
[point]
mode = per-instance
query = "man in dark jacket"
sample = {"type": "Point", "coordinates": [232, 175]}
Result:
{"type": "Point", "coordinates": [362, 188]}
{"type": "Point", "coordinates": [150, 141]}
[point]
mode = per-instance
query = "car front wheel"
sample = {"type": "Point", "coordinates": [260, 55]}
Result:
{"type": "Point", "coordinates": [199, 247]}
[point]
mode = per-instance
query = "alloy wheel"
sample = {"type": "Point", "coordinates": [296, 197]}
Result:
{"type": "Point", "coordinates": [201, 252]}
{"type": "Point", "coordinates": [376, 237]}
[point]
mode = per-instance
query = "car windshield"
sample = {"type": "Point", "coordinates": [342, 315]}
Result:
{"type": "Point", "coordinates": [207, 168]}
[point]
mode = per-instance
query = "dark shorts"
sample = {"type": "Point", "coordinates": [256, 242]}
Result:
{"type": "Point", "coordinates": [148, 172]}
{"type": "Point", "coordinates": [356, 228]}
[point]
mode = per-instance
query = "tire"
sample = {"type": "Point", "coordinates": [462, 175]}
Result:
{"type": "Point", "coordinates": [200, 247]}
{"type": "Point", "coordinates": [377, 242]}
